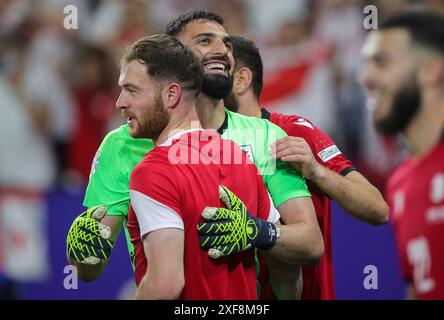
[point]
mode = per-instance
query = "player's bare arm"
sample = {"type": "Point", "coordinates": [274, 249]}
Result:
{"type": "Point", "coordinates": [285, 279]}
{"type": "Point", "coordinates": [301, 240]}
{"type": "Point", "coordinates": [354, 193]}
{"type": "Point", "coordinates": [164, 278]}
{"type": "Point", "coordinates": [91, 271]}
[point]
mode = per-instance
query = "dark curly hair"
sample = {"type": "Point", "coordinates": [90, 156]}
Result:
{"type": "Point", "coordinates": [174, 27]}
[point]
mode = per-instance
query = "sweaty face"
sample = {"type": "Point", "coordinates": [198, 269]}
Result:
{"type": "Point", "coordinates": [211, 44]}
{"type": "Point", "coordinates": [390, 79]}
{"type": "Point", "coordinates": [141, 103]}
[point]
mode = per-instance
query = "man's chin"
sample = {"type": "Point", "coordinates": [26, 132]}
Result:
{"type": "Point", "coordinates": [133, 132]}
{"type": "Point", "coordinates": [399, 112]}
{"type": "Point", "coordinates": [387, 127]}
{"type": "Point", "coordinates": [217, 85]}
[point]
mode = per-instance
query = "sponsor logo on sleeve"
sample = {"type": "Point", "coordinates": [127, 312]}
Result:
{"type": "Point", "coordinates": [329, 153]}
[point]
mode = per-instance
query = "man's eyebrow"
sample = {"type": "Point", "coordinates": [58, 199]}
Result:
{"type": "Point", "coordinates": [379, 56]}
{"type": "Point", "coordinates": [130, 86]}
{"type": "Point", "coordinates": [205, 34]}
{"type": "Point", "coordinates": [372, 55]}
{"type": "Point", "coordinates": [227, 39]}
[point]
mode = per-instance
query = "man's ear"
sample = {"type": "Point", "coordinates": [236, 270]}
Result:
{"type": "Point", "coordinates": [431, 73]}
{"type": "Point", "coordinates": [171, 95]}
{"type": "Point", "coordinates": [243, 79]}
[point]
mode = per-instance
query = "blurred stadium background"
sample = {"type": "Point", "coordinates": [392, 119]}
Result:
{"type": "Point", "coordinates": [57, 93]}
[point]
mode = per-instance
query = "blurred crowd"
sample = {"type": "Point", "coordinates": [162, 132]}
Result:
{"type": "Point", "coordinates": [58, 87]}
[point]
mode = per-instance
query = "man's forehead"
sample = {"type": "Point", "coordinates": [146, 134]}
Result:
{"type": "Point", "coordinates": [134, 70]}
{"type": "Point", "coordinates": [200, 26]}
{"type": "Point", "coordinates": [389, 41]}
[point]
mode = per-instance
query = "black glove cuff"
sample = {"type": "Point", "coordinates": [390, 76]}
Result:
{"type": "Point", "coordinates": [268, 234]}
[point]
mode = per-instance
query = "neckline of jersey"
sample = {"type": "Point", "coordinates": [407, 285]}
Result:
{"type": "Point", "coordinates": [175, 136]}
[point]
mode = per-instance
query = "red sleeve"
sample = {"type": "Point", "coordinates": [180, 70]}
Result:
{"type": "Point", "coordinates": [157, 181]}
{"type": "Point", "coordinates": [324, 149]}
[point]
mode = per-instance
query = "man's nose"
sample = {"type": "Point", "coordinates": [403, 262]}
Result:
{"type": "Point", "coordinates": [220, 48]}
{"type": "Point", "coordinates": [121, 103]}
{"type": "Point", "coordinates": [366, 76]}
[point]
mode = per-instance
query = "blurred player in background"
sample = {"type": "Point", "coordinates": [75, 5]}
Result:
{"type": "Point", "coordinates": [169, 189]}
{"type": "Point", "coordinates": [330, 174]}
{"type": "Point", "coordinates": [300, 241]}
{"type": "Point", "coordinates": [404, 79]}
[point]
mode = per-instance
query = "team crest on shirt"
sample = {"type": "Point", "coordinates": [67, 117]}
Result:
{"type": "Point", "coordinates": [95, 163]}
{"type": "Point", "coordinates": [248, 150]}
{"type": "Point", "coordinates": [329, 153]}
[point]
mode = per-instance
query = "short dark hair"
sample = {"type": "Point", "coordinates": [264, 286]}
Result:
{"type": "Point", "coordinates": [425, 28]}
{"type": "Point", "coordinates": [246, 54]}
{"type": "Point", "coordinates": [174, 27]}
{"type": "Point", "coordinates": [166, 58]}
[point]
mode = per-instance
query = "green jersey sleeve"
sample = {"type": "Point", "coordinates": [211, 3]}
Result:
{"type": "Point", "coordinates": [283, 182]}
{"type": "Point", "coordinates": [255, 136]}
{"type": "Point", "coordinates": [109, 179]}
{"type": "Point", "coordinates": [110, 173]}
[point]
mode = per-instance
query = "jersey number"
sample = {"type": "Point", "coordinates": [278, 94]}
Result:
{"type": "Point", "coordinates": [418, 253]}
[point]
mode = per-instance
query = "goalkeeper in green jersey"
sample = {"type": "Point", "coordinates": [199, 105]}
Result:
{"type": "Point", "coordinates": [300, 239]}
{"type": "Point", "coordinates": [108, 193]}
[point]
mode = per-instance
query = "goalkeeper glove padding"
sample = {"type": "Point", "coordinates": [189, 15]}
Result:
{"type": "Point", "coordinates": [232, 230]}
{"type": "Point", "coordinates": [88, 240]}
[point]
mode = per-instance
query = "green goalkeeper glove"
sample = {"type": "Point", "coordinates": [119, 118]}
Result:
{"type": "Point", "coordinates": [233, 230]}
{"type": "Point", "coordinates": [88, 240]}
